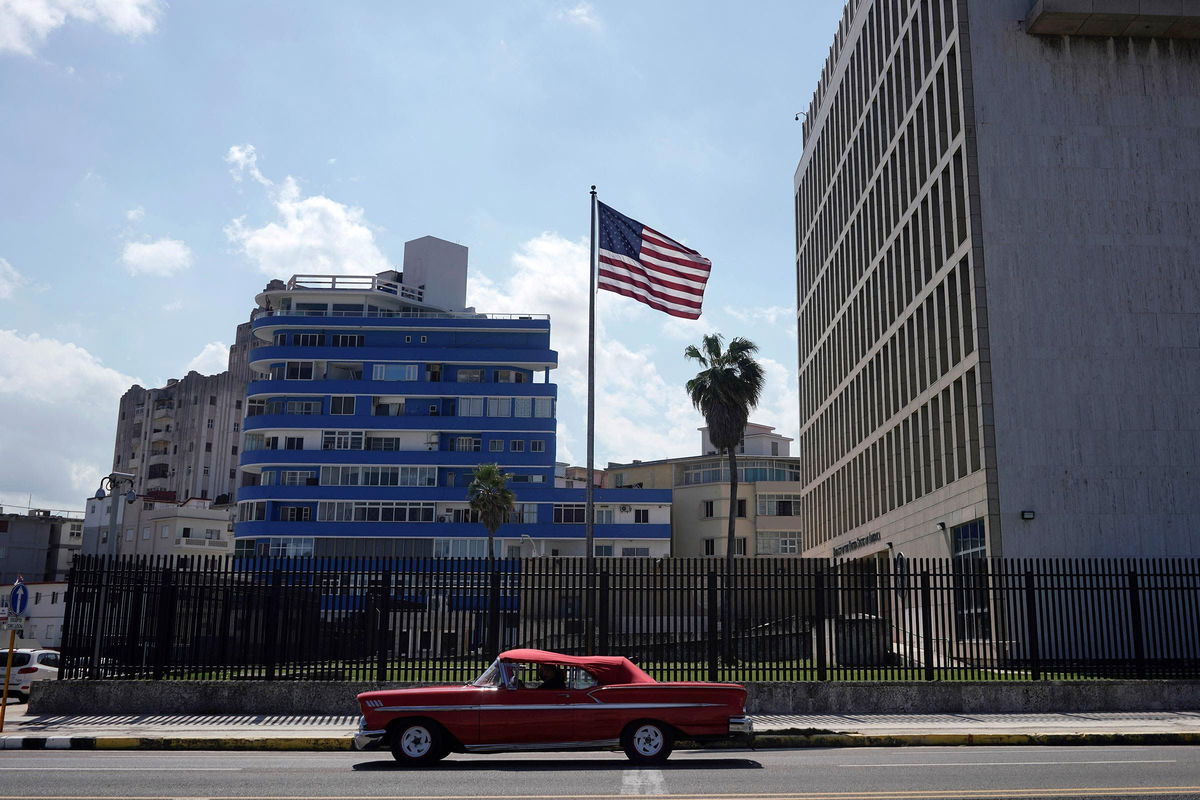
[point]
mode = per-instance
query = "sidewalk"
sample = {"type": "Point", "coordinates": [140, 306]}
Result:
{"type": "Point", "coordinates": [233, 732]}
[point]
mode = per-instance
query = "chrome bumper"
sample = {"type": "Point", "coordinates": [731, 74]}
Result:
{"type": "Point", "coordinates": [741, 725]}
{"type": "Point", "coordinates": [365, 739]}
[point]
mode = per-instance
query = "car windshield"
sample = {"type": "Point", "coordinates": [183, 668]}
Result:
{"type": "Point", "coordinates": [528, 676]}
{"type": "Point", "coordinates": [19, 659]}
{"type": "Point", "coordinates": [498, 674]}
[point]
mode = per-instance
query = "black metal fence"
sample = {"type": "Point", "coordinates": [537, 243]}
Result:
{"type": "Point", "coordinates": [793, 619]}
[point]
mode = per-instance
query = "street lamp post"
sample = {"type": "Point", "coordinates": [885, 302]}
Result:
{"type": "Point", "coordinates": [115, 482]}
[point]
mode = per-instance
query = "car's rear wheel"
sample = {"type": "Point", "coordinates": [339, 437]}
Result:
{"type": "Point", "coordinates": [418, 742]}
{"type": "Point", "coordinates": [647, 742]}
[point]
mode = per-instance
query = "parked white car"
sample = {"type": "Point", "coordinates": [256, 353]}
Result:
{"type": "Point", "coordinates": [28, 665]}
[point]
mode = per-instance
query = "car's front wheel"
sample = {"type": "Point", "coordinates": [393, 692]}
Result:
{"type": "Point", "coordinates": [419, 742]}
{"type": "Point", "coordinates": [647, 742]}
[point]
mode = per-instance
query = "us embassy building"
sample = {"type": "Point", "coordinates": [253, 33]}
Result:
{"type": "Point", "coordinates": [997, 244]}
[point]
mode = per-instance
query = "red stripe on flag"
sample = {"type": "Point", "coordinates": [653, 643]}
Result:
{"type": "Point", "coordinates": [623, 271]}
{"type": "Point", "coordinates": [641, 298]}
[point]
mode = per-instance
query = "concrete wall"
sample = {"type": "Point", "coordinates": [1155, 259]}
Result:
{"type": "Point", "coordinates": [1089, 195]}
{"type": "Point", "coordinates": [283, 697]}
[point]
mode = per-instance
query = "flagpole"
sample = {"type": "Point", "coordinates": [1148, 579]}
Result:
{"type": "Point", "coordinates": [589, 508]}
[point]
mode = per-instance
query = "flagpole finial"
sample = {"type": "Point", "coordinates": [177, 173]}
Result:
{"type": "Point", "coordinates": [593, 188]}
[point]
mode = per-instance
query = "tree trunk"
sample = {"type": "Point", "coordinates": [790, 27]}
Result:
{"type": "Point", "coordinates": [730, 657]}
{"type": "Point", "coordinates": [492, 620]}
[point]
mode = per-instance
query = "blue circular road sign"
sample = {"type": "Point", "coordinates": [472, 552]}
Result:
{"type": "Point", "coordinates": [18, 599]}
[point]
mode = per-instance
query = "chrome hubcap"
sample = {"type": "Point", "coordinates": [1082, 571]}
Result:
{"type": "Point", "coordinates": [648, 740]}
{"type": "Point", "coordinates": [416, 741]}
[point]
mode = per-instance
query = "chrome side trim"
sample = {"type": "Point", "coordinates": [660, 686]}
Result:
{"type": "Point", "coordinates": [500, 748]}
{"type": "Point", "coordinates": [547, 707]}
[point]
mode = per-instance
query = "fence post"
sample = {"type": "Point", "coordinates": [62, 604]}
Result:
{"type": "Point", "coordinates": [819, 627]}
{"type": "Point", "coordinates": [603, 612]}
{"type": "Point", "coordinates": [1135, 619]}
{"type": "Point", "coordinates": [713, 634]}
{"type": "Point", "coordinates": [94, 672]}
{"type": "Point", "coordinates": [927, 624]}
{"type": "Point", "coordinates": [68, 626]}
{"type": "Point", "coordinates": [383, 627]}
{"type": "Point", "coordinates": [166, 623]}
{"type": "Point", "coordinates": [271, 624]}
{"type": "Point", "coordinates": [1031, 627]}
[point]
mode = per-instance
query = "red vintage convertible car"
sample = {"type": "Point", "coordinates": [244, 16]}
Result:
{"type": "Point", "coordinates": [538, 700]}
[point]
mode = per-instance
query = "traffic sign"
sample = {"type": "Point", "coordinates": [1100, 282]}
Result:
{"type": "Point", "coordinates": [18, 598]}
{"type": "Point", "coordinates": [14, 624]}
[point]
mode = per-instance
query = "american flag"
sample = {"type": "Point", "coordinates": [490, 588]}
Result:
{"type": "Point", "coordinates": [641, 263]}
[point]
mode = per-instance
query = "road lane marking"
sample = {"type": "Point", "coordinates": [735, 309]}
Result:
{"type": "Point", "coordinates": [1006, 763]}
{"type": "Point", "coordinates": [121, 769]}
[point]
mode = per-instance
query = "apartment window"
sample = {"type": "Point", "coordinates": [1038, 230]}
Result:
{"type": "Point", "coordinates": [146, 533]}
{"type": "Point", "coordinates": [604, 516]}
{"type": "Point", "coordinates": [297, 477]}
{"type": "Point", "coordinates": [293, 443]}
{"type": "Point", "coordinates": [778, 543]}
{"type": "Point", "coordinates": [129, 534]}
{"type": "Point", "coordinates": [516, 446]}
{"type": "Point", "coordinates": [522, 406]}
{"type": "Point", "coordinates": [208, 447]}
{"type": "Point", "coordinates": [342, 440]}
{"type": "Point", "coordinates": [528, 479]}
{"type": "Point", "coordinates": [295, 513]}
{"type": "Point", "coordinates": [459, 548]}
{"type": "Point", "coordinates": [307, 340]}
{"type": "Point", "coordinates": [467, 444]}
{"type": "Point", "coordinates": [739, 546]}
{"type": "Point", "coordinates": [635, 552]}
{"type": "Point", "coordinates": [424, 339]}
{"type": "Point", "coordinates": [341, 405]}
{"type": "Point", "coordinates": [233, 450]}
{"type": "Point", "coordinates": [525, 513]}
{"type": "Point", "coordinates": [569, 513]}
{"type": "Point", "coordinates": [496, 446]}
{"type": "Point", "coordinates": [237, 404]}
{"type": "Point", "coordinates": [298, 370]}
{"type": "Point", "coordinates": [741, 507]}
{"type": "Point", "coordinates": [603, 550]}
{"type": "Point", "coordinates": [233, 473]}
{"type": "Point", "coordinates": [470, 376]}
{"type": "Point", "coordinates": [641, 515]}
{"type": "Point", "coordinates": [707, 509]}
{"type": "Point", "coordinates": [537, 446]}
{"type": "Point", "coordinates": [256, 407]}
{"type": "Point", "coordinates": [147, 506]}
{"type": "Point", "coordinates": [290, 547]}
{"type": "Point", "coordinates": [368, 511]}
{"type": "Point", "coordinates": [164, 531]}
{"type": "Point", "coordinates": [508, 376]}
{"type": "Point", "coordinates": [209, 424]}
{"type": "Point", "coordinates": [408, 340]}
{"type": "Point", "coordinates": [205, 470]}
{"type": "Point", "coordinates": [237, 426]}
{"type": "Point", "coordinates": [394, 372]}
{"type": "Point", "coordinates": [303, 407]}
{"type": "Point", "coordinates": [212, 533]}
{"type": "Point", "coordinates": [212, 399]}
{"type": "Point", "coordinates": [470, 406]}
{"type": "Point", "coordinates": [346, 340]}
{"type": "Point", "coordinates": [499, 406]}
{"type": "Point", "coordinates": [543, 407]}
{"type": "Point", "coordinates": [778, 505]}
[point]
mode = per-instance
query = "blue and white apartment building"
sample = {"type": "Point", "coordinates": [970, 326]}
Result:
{"type": "Point", "coordinates": [374, 397]}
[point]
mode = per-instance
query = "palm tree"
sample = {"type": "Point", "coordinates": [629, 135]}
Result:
{"type": "Point", "coordinates": [490, 497]}
{"type": "Point", "coordinates": [724, 391]}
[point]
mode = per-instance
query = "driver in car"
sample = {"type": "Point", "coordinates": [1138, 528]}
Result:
{"type": "Point", "coordinates": [553, 677]}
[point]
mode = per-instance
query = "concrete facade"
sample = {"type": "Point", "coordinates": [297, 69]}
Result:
{"type": "Point", "coordinates": [147, 527]}
{"type": "Point", "coordinates": [38, 546]}
{"type": "Point", "coordinates": [181, 440]}
{"type": "Point", "coordinates": [46, 610]}
{"type": "Point", "coordinates": [995, 249]}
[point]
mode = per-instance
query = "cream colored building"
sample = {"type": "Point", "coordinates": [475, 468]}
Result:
{"type": "Point", "coordinates": [149, 527]}
{"type": "Point", "coordinates": [767, 521]}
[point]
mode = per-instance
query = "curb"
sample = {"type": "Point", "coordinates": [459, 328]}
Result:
{"type": "Point", "coordinates": [763, 741]}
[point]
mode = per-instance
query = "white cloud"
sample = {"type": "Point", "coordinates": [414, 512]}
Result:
{"type": "Point", "coordinates": [639, 412]}
{"type": "Point", "coordinates": [312, 234]}
{"type": "Point", "coordinates": [581, 14]}
{"type": "Point", "coordinates": [772, 315]}
{"type": "Point", "coordinates": [160, 258]}
{"type": "Point", "coordinates": [25, 24]}
{"type": "Point", "coordinates": [135, 214]}
{"type": "Point", "coordinates": [212, 359]}
{"type": "Point", "coordinates": [10, 280]}
{"type": "Point", "coordinates": [62, 403]}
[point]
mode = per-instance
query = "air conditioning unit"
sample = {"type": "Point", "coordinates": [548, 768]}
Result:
{"type": "Point", "coordinates": [443, 519]}
{"type": "Point", "coordinates": [626, 509]}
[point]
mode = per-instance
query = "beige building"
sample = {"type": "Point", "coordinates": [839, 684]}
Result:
{"type": "Point", "coordinates": [45, 613]}
{"type": "Point", "coordinates": [150, 527]}
{"type": "Point", "coordinates": [767, 521]}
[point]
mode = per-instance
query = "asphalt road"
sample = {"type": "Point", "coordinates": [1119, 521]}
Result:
{"type": "Point", "coordinates": [843, 774]}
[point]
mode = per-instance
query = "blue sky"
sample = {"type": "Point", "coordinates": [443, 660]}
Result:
{"type": "Point", "coordinates": [160, 162]}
